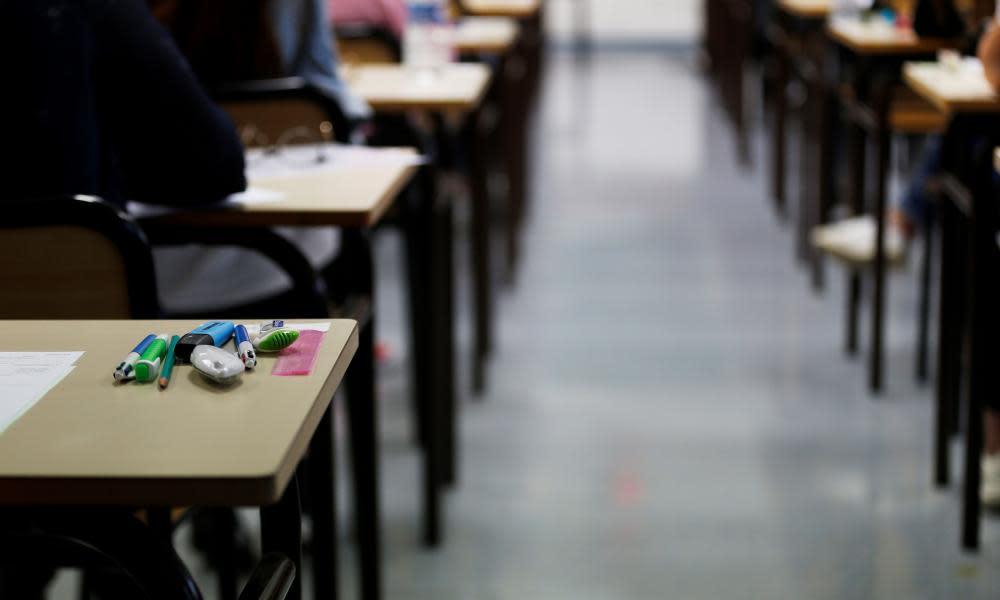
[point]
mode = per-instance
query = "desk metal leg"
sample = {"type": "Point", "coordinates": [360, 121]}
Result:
{"type": "Point", "coordinates": [362, 409]}
{"type": "Point", "coordinates": [480, 240]}
{"type": "Point", "coordinates": [982, 332]}
{"type": "Point", "coordinates": [425, 319]}
{"type": "Point", "coordinates": [323, 506]}
{"type": "Point", "coordinates": [780, 100]}
{"type": "Point", "coordinates": [281, 532]}
{"type": "Point", "coordinates": [513, 126]}
{"type": "Point", "coordinates": [856, 162]}
{"type": "Point", "coordinates": [445, 427]}
{"type": "Point", "coordinates": [882, 143]}
{"type": "Point", "coordinates": [950, 326]}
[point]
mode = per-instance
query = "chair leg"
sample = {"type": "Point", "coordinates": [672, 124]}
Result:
{"type": "Point", "coordinates": [780, 103]}
{"type": "Point", "coordinates": [281, 531]}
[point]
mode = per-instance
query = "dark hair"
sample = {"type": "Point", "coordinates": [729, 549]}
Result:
{"type": "Point", "coordinates": [224, 40]}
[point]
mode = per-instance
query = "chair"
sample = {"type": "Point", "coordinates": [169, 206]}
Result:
{"type": "Point", "coordinates": [74, 257]}
{"type": "Point", "coordinates": [362, 43]}
{"type": "Point", "coordinates": [273, 106]}
{"type": "Point", "coordinates": [78, 256]}
{"type": "Point", "coordinates": [910, 116]}
{"type": "Point", "coordinates": [127, 558]}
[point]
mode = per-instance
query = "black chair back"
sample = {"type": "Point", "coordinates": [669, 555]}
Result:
{"type": "Point", "coordinates": [74, 257]}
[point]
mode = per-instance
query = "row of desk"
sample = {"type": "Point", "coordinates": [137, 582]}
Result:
{"type": "Point", "coordinates": [92, 446]}
{"type": "Point", "coordinates": [865, 82]}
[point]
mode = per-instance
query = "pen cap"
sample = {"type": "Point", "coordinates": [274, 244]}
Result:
{"type": "Point", "coordinates": [147, 370]}
{"type": "Point", "coordinates": [148, 365]}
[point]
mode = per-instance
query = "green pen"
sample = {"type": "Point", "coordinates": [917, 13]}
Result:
{"type": "Point", "coordinates": [168, 363]}
{"type": "Point", "coordinates": [148, 365]}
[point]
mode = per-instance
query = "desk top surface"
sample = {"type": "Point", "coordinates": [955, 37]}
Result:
{"type": "Point", "coordinates": [91, 442]}
{"type": "Point", "coordinates": [806, 9]}
{"type": "Point", "coordinates": [354, 188]}
{"type": "Point", "coordinates": [454, 87]}
{"type": "Point", "coordinates": [487, 35]}
{"type": "Point", "coordinates": [956, 89]}
{"type": "Point", "coordinates": [878, 37]}
{"type": "Point", "coordinates": [503, 8]}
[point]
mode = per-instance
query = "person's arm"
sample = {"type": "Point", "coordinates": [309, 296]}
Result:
{"type": "Point", "coordinates": [989, 54]}
{"type": "Point", "coordinates": [172, 144]}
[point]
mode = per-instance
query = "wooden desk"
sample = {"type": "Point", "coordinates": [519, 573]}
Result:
{"type": "Point", "coordinates": [89, 442]}
{"type": "Point", "coordinates": [805, 9]}
{"type": "Point", "coordinates": [358, 196]}
{"type": "Point", "coordinates": [961, 90]}
{"type": "Point", "coordinates": [486, 35]}
{"type": "Point", "coordinates": [458, 87]}
{"type": "Point", "coordinates": [518, 9]}
{"type": "Point", "coordinates": [876, 37]}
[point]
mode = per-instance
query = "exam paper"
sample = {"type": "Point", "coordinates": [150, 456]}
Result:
{"type": "Point", "coordinates": [253, 195]}
{"type": "Point", "coordinates": [306, 158]}
{"type": "Point", "coordinates": [27, 376]}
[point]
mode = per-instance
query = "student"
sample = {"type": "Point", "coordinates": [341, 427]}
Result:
{"type": "Point", "coordinates": [390, 14]}
{"type": "Point", "coordinates": [229, 41]}
{"type": "Point", "coordinates": [100, 101]}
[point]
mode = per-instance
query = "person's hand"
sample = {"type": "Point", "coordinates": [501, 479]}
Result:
{"type": "Point", "coordinates": [989, 54]}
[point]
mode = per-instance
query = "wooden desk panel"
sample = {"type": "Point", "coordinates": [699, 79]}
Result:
{"type": "Point", "coordinates": [91, 442]}
{"type": "Point", "coordinates": [486, 35]}
{"type": "Point", "coordinates": [867, 37]}
{"type": "Point", "coordinates": [518, 9]}
{"type": "Point", "coordinates": [456, 87]}
{"type": "Point", "coordinates": [805, 9]}
{"type": "Point", "coordinates": [952, 90]}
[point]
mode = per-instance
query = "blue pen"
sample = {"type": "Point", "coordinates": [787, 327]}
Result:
{"type": "Point", "coordinates": [126, 368]}
{"type": "Point", "coordinates": [244, 348]}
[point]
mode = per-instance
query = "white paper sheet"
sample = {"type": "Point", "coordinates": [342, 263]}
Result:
{"type": "Point", "coordinates": [253, 195]}
{"type": "Point", "coordinates": [292, 160]}
{"type": "Point", "coordinates": [27, 376]}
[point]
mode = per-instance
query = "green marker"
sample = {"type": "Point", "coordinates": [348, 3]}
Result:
{"type": "Point", "coordinates": [148, 366]}
{"type": "Point", "coordinates": [168, 363]}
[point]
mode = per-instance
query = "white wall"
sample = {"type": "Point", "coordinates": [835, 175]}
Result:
{"type": "Point", "coordinates": [627, 20]}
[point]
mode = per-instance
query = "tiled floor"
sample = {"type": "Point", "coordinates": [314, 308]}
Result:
{"type": "Point", "coordinates": [670, 414]}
